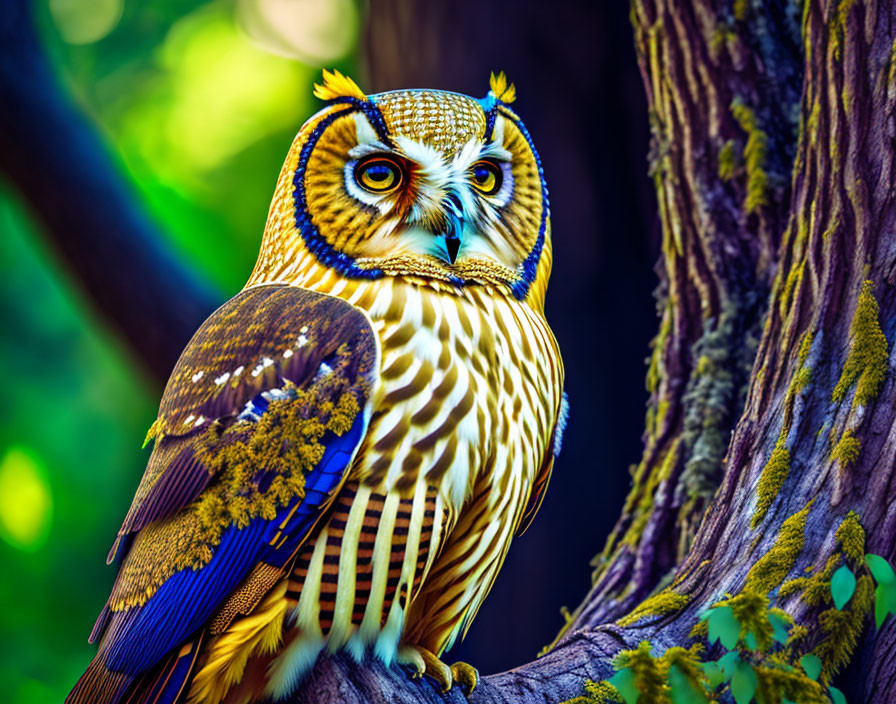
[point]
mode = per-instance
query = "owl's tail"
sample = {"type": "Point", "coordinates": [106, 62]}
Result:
{"type": "Point", "coordinates": [167, 683]}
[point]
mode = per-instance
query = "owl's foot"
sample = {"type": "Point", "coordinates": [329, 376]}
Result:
{"type": "Point", "coordinates": [465, 676]}
{"type": "Point", "coordinates": [425, 662]}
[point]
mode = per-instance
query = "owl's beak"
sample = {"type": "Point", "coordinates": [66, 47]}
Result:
{"type": "Point", "coordinates": [450, 237]}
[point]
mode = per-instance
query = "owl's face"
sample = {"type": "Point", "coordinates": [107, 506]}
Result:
{"type": "Point", "coordinates": [417, 183]}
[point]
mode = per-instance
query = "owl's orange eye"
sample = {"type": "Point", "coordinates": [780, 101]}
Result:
{"type": "Point", "coordinates": [378, 174]}
{"type": "Point", "coordinates": [487, 177]}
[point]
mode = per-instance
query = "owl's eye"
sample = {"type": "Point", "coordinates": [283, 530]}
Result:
{"type": "Point", "coordinates": [378, 174]}
{"type": "Point", "coordinates": [487, 177]}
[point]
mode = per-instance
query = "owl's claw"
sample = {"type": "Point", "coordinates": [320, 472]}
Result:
{"type": "Point", "coordinates": [409, 656]}
{"type": "Point", "coordinates": [465, 676]}
{"type": "Point", "coordinates": [425, 662]}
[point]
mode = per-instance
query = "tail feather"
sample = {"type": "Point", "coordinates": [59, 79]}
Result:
{"type": "Point", "coordinates": [166, 684]}
{"type": "Point", "coordinates": [99, 685]}
{"type": "Point", "coordinates": [170, 682]}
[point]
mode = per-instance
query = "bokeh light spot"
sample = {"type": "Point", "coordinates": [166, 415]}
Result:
{"type": "Point", "coordinates": [85, 21]}
{"type": "Point", "coordinates": [314, 31]}
{"type": "Point", "coordinates": [26, 502]}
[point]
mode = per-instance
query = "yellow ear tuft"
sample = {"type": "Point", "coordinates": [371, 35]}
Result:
{"type": "Point", "coordinates": [336, 85]}
{"type": "Point", "coordinates": [501, 88]}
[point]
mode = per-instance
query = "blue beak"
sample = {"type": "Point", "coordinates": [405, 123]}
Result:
{"type": "Point", "coordinates": [454, 227]}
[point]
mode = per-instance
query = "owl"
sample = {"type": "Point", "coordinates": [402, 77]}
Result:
{"type": "Point", "coordinates": [345, 449]}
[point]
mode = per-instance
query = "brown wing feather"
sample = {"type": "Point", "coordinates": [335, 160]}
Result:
{"type": "Point", "coordinates": [253, 343]}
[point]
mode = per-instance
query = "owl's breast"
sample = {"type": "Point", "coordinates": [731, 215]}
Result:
{"type": "Point", "coordinates": [469, 385]}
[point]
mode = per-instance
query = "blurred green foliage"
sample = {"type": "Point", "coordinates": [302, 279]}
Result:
{"type": "Point", "coordinates": [199, 118]}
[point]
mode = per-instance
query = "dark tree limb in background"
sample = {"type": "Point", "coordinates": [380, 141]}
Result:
{"type": "Point", "coordinates": [53, 156]}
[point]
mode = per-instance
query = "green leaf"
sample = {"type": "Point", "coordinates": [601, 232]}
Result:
{"type": "Point", "coordinates": [624, 682]}
{"type": "Point", "coordinates": [780, 627]}
{"type": "Point", "coordinates": [812, 665]}
{"type": "Point", "coordinates": [728, 663]}
{"type": "Point", "coordinates": [743, 683]}
{"type": "Point", "coordinates": [683, 690]}
{"type": "Point", "coordinates": [884, 602]}
{"type": "Point", "coordinates": [714, 674]}
{"type": "Point", "coordinates": [881, 570]}
{"type": "Point", "coordinates": [843, 584]}
{"type": "Point", "coordinates": [750, 641]}
{"type": "Point", "coordinates": [837, 696]}
{"type": "Point", "coordinates": [723, 626]}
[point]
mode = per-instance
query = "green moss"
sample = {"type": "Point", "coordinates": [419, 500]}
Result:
{"type": "Point", "coordinates": [838, 27]}
{"type": "Point", "coordinates": [655, 368]}
{"type": "Point", "coordinates": [650, 672]}
{"type": "Point", "coordinates": [842, 629]}
{"type": "Point", "coordinates": [640, 499]}
{"type": "Point", "coordinates": [662, 408]}
{"type": "Point", "coordinates": [794, 277]}
{"type": "Point", "coordinates": [813, 122]}
{"type": "Point", "coordinates": [816, 589]}
{"type": "Point", "coordinates": [772, 568]}
{"type": "Point", "coordinates": [751, 609]}
{"type": "Point", "coordinates": [770, 481]}
{"type": "Point", "coordinates": [867, 361]}
{"type": "Point", "coordinates": [597, 693]}
{"type": "Point", "coordinates": [728, 160]}
{"type": "Point", "coordinates": [778, 683]}
{"type": "Point", "coordinates": [832, 227]}
{"type": "Point", "coordinates": [851, 536]}
{"type": "Point", "coordinates": [661, 603]}
{"type": "Point", "coordinates": [741, 8]}
{"type": "Point", "coordinates": [805, 347]}
{"type": "Point", "coordinates": [846, 451]}
{"type": "Point", "coordinates": [754, 154]}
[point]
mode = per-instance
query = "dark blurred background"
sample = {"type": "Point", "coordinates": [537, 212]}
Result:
{"type": "Point", "coordinates": [196, 104]}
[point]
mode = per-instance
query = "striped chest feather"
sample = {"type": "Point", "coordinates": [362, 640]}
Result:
{"type": "Point", "coordinates": [462, 422]}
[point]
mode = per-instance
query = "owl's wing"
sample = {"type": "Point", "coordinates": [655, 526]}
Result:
{"type": "Point", "coordinates": [543, 477]}
{"type": "Point", "coordinates": [257, 428]}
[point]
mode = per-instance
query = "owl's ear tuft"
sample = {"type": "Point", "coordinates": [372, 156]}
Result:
{"type": "Point", "coordinates": [336, 86]}
{"type": "Point", "coordinates": [501, 88]}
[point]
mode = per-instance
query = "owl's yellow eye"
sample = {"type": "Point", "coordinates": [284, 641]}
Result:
{"type": "Point", "coordinates": [487, 177]}
{"type": "Point", "coordinates": [378, 174]}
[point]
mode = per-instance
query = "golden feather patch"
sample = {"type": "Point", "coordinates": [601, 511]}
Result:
{"type": "Point", "coordinates": [336, 85]}
{"type": "Point", "coordinates": [501, 88]}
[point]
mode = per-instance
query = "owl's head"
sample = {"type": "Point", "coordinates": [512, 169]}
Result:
{"type": "Point", "coordinates": [422, 184]}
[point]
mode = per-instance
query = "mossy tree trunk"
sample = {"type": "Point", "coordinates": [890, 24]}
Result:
{"type": "Point", "coordinates": [774, 144]}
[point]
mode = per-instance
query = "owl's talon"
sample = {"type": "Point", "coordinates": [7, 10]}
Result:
{"type": "Point", "coordinates": [426, 663]}
{"type": "Point", "coordinates": [466, 676]}
{"type": "Point", "coordinates": [409, 656]}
